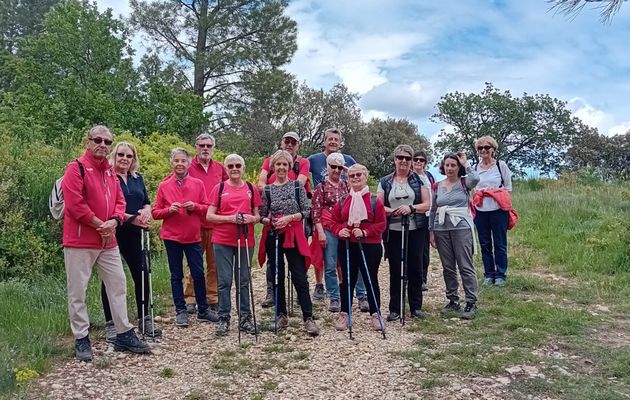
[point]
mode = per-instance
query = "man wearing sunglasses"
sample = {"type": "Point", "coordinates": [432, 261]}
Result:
{"type": "Point", "coordinates": [299, 171]}
{"type": "Point", "coordinates": [211, 173]}
{"type": "Point", "coordinates": [94, 208]}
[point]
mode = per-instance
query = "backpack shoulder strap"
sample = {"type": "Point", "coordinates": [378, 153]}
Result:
{"type": "Point", "coordinates": [221, 186]}
{"type": "Point", "coordinates": [251, 190]}
{"type": "Point", "coordinates": [81, 169]}
{"type": "Point", "coordinates": [373, 202]}
{"type": "Point", "coordinates": [296, 185]}
{"type": "Point", "coordinates": [500, 173]}
{"type": "Point", "coordinates": [268, 196]}
{"type": "Point", "coordinates": [296, 167]}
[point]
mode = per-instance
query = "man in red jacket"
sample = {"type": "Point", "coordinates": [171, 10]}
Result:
{"type": "Point", "coordinates": [211, 173]}
{"type": "Point", "coordinates": [94, 207]}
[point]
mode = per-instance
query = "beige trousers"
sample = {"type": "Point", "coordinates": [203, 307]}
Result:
{"type": "Point", "coordinates": [79, 263]}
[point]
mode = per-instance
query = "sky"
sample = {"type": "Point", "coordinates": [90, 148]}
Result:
{"type": "Point", "coordinates": [401, 56]}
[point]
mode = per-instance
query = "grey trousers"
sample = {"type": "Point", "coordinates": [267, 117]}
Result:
{"type": "Point", "coordinates": [456, 252]}
{"type": "Point", "coordinates": [226, 258]}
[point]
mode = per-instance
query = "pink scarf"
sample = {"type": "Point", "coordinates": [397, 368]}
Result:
{"type": "Point", "coordinates": [358, 212]}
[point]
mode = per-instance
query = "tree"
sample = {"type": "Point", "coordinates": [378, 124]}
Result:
{"type": "Point", "coordinates": [573, 7]}
{"type": "Point", "coordinates": [608, 157]}
{"type": "Point", "coordinates": [378, 140]}
{"type": "Point", "coordinates": [226, 44]}
{"type": "Point", "coordinates": [20, 18]}
{"type": "Point", "coordinates": [532, 131]}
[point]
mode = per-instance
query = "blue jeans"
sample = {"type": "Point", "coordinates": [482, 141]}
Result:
{"type": "Point", "coordinates": [330, 265]}
{"type": "Point", "coordinates": [175, 254]}
{"type": "Point", "coordinates": [226, 258]}
{"type": "Point", "coordinates": [492, 230]}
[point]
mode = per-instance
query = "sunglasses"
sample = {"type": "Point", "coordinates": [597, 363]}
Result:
{"type": "Point", "coordinates": [418, 159]}
{"type": "Point", "coordinates": [406, 196]}
{"type": "Point", "coordinates": [406, 158]}
{"type": "Point", "coordinates": [123, 155]}
{"type": "Point", "coordinates": [479, 148]}
{"type": "Point", "coordinates": [338, 167]}
{"type": "Point", "coordinates": [355, 175]}
{"type": "Point", "coordinates": [99, 140]}
{"type": "Point", "coordinates": [205, 146]}
{"type": "Point", "coordinates": [290, 141]}
{"type": "Point", "coordinates": [232, 166]}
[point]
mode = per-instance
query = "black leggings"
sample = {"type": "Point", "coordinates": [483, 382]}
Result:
{"type": "Point", "coordinates": [130, 246]}
{"type": "Point", "coordinates": [297, 267]}
{"type": "Point", "coordinates": [415, 243]}
{"type": "Point", "coordinates": [373, 254]}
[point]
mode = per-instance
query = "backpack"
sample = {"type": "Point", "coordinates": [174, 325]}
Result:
{"type": "Point", "coordinates": [56, 202]}
{"type": "Point", "coordinates": [308, 221]}
{"type": "Point", "coordinates": [222, 185]}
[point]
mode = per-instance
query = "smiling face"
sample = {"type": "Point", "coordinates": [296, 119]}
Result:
{"type": "Point", "coordinates": [332, 142]}
{"type": "Point", "coordinates": [485, 150]}
{"type": "Point", "coordinates": [357, 177]}
{"type": "Point", "coordinates": [235, 169]}
{"type": "Point", "coordinates": [204, 149]}
{"type": "Point", "coordinates": [419, 164]}
{"type": "Point", "coordinates": [402, 160]}
{"type": "Point", "coordinates": [281, 168]}
{"type": "Point", "coordinates": [334, 172]}
{"type": "Point", "coordinates": [291, 145]}
{"type": "Point", "coordinates": [180, 164]}
{"type": "Point", "coordinates": [123, 158]}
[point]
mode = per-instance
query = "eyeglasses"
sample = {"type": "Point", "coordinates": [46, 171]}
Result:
{"type": "Point", "coordinates": [339, 167]}
{"type": "Point", "coordinates": [205, 146]}
{"type": "Point", "coordinates": [99, 140]}
{"type": "Point", "coordinates": [291, 141]}
{"type": "Point", "coordinates": [355, 175]}
{"type": "Point", "coordinates": [406, 158]}
{"type": "Point", "coordinates": [479, 148]}
{"type": "Point", "coordinates": [232, 166]}
{"type": "Point", "coordinates": [418, 159]}
{"type": "Point", "coordinates": [124, 155]}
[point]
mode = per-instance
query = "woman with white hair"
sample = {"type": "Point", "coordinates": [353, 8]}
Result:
{"type": "Point", "coordinates": [233, 211]}
{"type": "Point", "coordinates": [284, 205]}
{"type": "Point", "coordinates": [181, 203]}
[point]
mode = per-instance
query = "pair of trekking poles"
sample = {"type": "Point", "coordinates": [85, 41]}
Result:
{"type": "Point", "coordinates": [145, 243]}
{"type": "Point", "coordinates": [243, 230]}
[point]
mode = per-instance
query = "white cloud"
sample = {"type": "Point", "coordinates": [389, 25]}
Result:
{"type": "Point", "coordinates": [605, 123]}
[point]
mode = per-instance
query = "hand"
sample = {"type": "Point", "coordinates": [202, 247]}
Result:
{"type": "Point", "coordinates": [189, 206]}
{"type": "Point", "coordinates": [280, 223]}
{"type": "Point", "coordinates": [174, 207]}
{"type": "Point", "coordinates": [322, 238]}
{"type": "Point", "coordinates": [138, 222]}
{"type": "Point", "coordinates": [344, 233]}
{"type": "Point", "coordinates": [402, 210]}
{"type": "Point", "coordinates": [358, 233]}
{"type": "Point", "coordinates": [144, 215]}
{"type": "Point", "coordinates": [106, 241]}
{"type": "Point", "coordinates": [432, 240]}
{"type": "Point", "coordinates": [462, 158]}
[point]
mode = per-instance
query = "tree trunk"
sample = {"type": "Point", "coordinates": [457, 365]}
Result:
{"type": "Point", "coordinates": [200, 56]}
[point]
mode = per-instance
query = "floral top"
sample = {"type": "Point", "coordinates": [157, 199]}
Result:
{"type": "Point", "coordinates": [283, 201]}
{"type": "Point", "coordinates": [326, 195]}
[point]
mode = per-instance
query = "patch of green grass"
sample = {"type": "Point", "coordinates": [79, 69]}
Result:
{"type": "Point", "coordinates": [264, 389]}
{"type": "Point", "coordinates": [278, 348]}
{"type": "Point", "coordinates": [196, 394]}
{"type": "Point", "coordinates": [167, 372]}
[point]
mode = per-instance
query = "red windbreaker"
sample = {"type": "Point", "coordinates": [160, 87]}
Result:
{"type": "Point", "coordinates": [97, 194]}
{"type": "Point", "coordinates": [215, 175]}
{"type": "Point", "coordinates": [374, 226]}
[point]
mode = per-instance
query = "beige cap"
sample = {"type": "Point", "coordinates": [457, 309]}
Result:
{"type": "Point", "coordinates": [336, 159]}
{"type": "Point", "coordinates": [292, 135]}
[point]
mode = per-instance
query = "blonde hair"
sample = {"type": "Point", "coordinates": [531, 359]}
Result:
{"type": "Point", "coordinates": [489, 140]}
{"type": "Point", "coordinates": [278, 155]}
{"type": "Point", "coordinates": [135, 164]}
{"type": "Point", "coordinates": [361, 167]}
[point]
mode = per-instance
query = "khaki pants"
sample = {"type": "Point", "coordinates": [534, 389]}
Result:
{"type": "Point", "coordinates": [79, 264]}
{"type": "Point", "coordinates": [212, 294]}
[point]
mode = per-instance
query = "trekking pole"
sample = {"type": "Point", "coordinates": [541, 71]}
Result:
{"type": "Point", "coordinates": [349, 289]}
{"type": "Point", "coordinates": [275, 297]}
{"type": "Point", "coordinates": [238, 279]}
{"type": "Point", "coordinates": [142, 274]}
{"type": "Point", "coordinates": [403, 267]}
{"type": "Point", "coordinates": [290, 294]}
{"type": "Point", "coordinates": [369, 279]}
{"type": "Point", "coordinates": [251, 287]}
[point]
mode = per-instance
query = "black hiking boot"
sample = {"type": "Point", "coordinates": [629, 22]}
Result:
{"type": "Point", "coordinates": [128, 341]}
{"type": "Point", "coordinates": [83, 349]}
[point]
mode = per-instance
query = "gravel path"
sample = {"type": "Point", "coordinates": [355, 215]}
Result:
{"type": "Point", "coordinates": [193, 363]}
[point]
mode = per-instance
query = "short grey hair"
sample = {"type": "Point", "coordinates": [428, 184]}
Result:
{"type": "Point", "coordinates": [404, 148]}
{"type": "Point", "coordinates": [205, 136]}
{"type": "Point", "coordinates": [98, 129]}
{"type": "Point", "coordinates": [278, 155]}
{"type": "Point", "coordinates": [178, 150]}
{"type": "Point", "coordinates": [233, 157]}
{"type": "Point", "coordinates": [361, 167]}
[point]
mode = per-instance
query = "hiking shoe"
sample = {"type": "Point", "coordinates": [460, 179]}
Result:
{"type": "Point", "coordinates": [364, 305]}
{"type": "Point", "coordinates": [318, 292]}
{"type": "Point", "coordinates": [488, 282]}
{"type": "Point", "coordinates": [208, 315]}
{"type": "Point", "coordinates": [181, 319]}
{"type": "Point", "coordinates": [311, 327]}
{"type": "Point", "coordinates": [418, 314]}
{"type": "Point", "coordinates": [148, 328]}
{"type": "Point", "coordinates": [268, 302]}
{"type": "Point", "coordinates": [83, 349]}
{"type": "Point", "coordinates": [247, 326]}
{"type": "Point", "coordinates": [334, 305]}
{"type": "Point", "coordinates": [425, 287]}
{"type": "Point", "coordinates": [110, 331]}
{"type": "Point", "coordinates": [283, 321]}
{"type": "Point", "coordinates": [128, 341]}
{"type": "Point", "coordinates": [214, 306]}
{"type": "Point", "coordinates": [191, 308]}
{"type": "Point", "coordinates": [223, 327]}
{"type": "Point", "coordinates": [341, 323]}
{"type": "Point", "coordinates": [469, 311]}
{"type": "Point", "coordinates": [393, 316]}
{"type": "Point", "coordinates": [500, 282]}
{"type": "Point", "coordinates": [376, 324]}
{"type": "Point", "coordinates": [452, 307]}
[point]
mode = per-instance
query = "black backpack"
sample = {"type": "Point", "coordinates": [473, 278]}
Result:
{"type": "Point", "coordinates": [249, 185]}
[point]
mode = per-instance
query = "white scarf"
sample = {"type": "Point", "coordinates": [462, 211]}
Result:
{"type": "Point", "coordinates": [358, 211]}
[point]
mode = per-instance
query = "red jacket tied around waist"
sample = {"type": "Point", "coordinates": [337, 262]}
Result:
{"type": "Point", "coordinates": [503, 199]}
{"type": "Point", "coordinates": [182, 226]}
{"type": "Point", "coordinates": [374, 225]}
{"type": "Point", "coordinates": [97, 194]}
{"type": "Point", "coordinates": [293, 234]}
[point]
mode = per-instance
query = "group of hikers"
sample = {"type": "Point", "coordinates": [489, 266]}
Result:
{"type": "Point", "coordinates": [209, 211]}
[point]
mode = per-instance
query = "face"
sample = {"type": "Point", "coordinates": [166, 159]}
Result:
{"type": "Point", "coordinates": [451, 167]}
{"type": "Point", "coordinates": [124, 158]}
{"type": "Point", "coordinates": [204, 149]}
{"type": "Point", "coordinates": [357, 178]}
{"type": "Point", "coordinates": [419, 163]}
{"type": "Point", "coordinates": [281, 167]}
{"type": "Point", "coordinates": [332, 142]}
{"type": "Point", "coordinates": [235, 169]}
{"type": "Point", "coordinates": [403, 161]}
{"type": "Point", "coordinates": [334, 172]}
{"type": "Point", "coordinates": [291, 145]}
{"type": "Point", "coordinates": [99, 144]}
{"type": "Point", "coordinates": [180, 164]}
{"type": "Point", "coordinates": [485, 150]}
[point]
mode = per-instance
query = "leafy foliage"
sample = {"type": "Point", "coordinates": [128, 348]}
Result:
{"type": "Point", "coordinates": [607, 157]}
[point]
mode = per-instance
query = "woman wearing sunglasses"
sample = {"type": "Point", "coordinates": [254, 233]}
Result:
{"type": "Point", "coordinates": [233, 208]}
{"type": "Point", "coordinates": [495, 183]}
{"type": "Point", "coordinates": [406, 201]}
{"type": "Point", "coordinates": [124, 158]}
{"type": "Point", "coordinates": [420, 168]}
